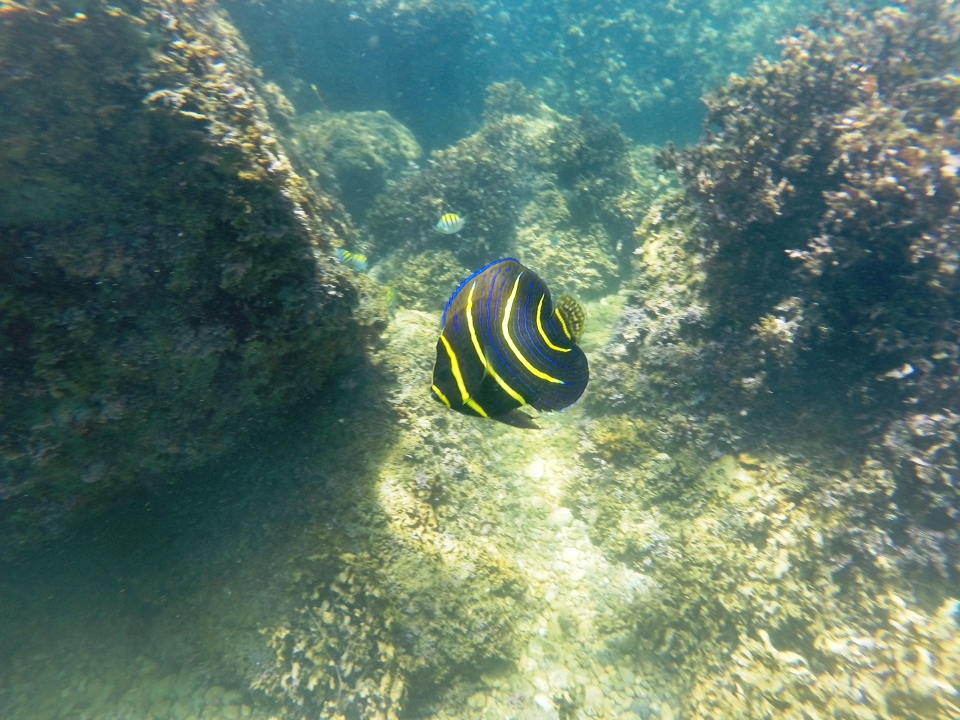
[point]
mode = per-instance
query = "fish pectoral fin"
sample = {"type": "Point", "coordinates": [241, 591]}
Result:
{"type": "Point", "coordinates": [518, 419]}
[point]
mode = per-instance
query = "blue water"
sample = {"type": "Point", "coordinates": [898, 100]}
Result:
{"type": "Point", "coordinates": [225, 489]}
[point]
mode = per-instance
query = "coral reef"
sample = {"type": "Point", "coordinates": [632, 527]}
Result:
{"type": "Point", "coordinates": [561, 194]}
{"type": "Point", "coordinates": [753, 513]}
{"type": "Point", "coordinates": [162, 271]}
{"type": "Point", "coordinates": [829, 197]}
{"type": "Point", "coordinates": [796, 305]}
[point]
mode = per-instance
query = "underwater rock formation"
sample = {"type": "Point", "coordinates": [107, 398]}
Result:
{"type": "Point", "coordinates": [798, 302]}
{"type": "Point", "coordinates": [162, 267]}
{"type": "Point", "coordinates": [660, 359]}
{"type": "Point", "coordinates": [759, 608]}
{"type": "Point", "coordinates": [828, 186]}
{"type": "Point", "coordinates": [560, 194]}
{"type": "Point", "coordinates": [357, 153]}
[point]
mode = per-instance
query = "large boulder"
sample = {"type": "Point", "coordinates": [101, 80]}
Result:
{"type": "Point", "coordinates": [165, 280]}
{"type": "Point", "coordinates": [805, 285]}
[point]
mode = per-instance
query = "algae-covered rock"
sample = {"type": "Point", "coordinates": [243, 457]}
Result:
{"type": "Point", "coordinates": [776, 311]}
{"type": "Point", "coordinates": [776, 589]}
{"type": "Point", "coordinates": [426, 280]}
{"type": "Point", "coordinates": [162, 272]}
{"type": "Point", "coordinates": [398, 596]}
{"type": "Point", "coordinates": [829, 195]}
{"type": "Point", "coordinates": [793, 295]}
{"type": "Point", "coordinates": [560, 194]}
{"type": "Point", "coordinates": [397, 618]}
{"type": "Point", "coordinates": [360, 150]}
{"type": "Point", "coordinates": [662, 380]}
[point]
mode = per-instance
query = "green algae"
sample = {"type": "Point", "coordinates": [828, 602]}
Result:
{"type": "Point", "coordinates": [394, 605]}
{"type": "Point", "coordinates": [766, 598]}
{"type": "Point", "coordinates": [828, 230]}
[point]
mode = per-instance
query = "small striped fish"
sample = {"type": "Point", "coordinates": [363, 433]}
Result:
{"type": "Point", "coordinates": [504, 345]}
{"type": "Point", "coordinates": [450, 223]}
{"type": "Point", "coordinates": [355, 260]}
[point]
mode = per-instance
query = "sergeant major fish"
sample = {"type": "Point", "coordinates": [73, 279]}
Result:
{"type": "Point", "coordinates": [450, 223]}
{"type": "Point", "coordinates": [355, 260]}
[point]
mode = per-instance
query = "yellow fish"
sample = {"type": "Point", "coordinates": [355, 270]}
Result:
{"type": "Point", "coordinates": [450, 223]}
{"type": "Point", "coordinates": [355, 260]}
{"type": "Point", "coordinates": [390, 297]}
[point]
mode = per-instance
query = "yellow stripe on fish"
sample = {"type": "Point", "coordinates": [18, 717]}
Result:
{"type": "Point", "coordinates": [450, 223]}
{"type": "Point", "coordinates": [507, 320]}
{"type": "Point", "coordinates": [440, 396]}
{"type": "Point", "coordinates": [487, 366]}
{"type": "Point", "coordinates": [543, 334]}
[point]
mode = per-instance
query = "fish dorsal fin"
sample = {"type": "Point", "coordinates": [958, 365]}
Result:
{"type": "Point", "coordinates": [572, 317]}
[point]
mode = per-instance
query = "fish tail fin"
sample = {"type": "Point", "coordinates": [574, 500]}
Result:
{"type": "Point", "coordinates": [572, 316]}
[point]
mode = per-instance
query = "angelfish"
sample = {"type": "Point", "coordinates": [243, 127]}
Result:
{"type": "Point", "coordinates": [504, 345]}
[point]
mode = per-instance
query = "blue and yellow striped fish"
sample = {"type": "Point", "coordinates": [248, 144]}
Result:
{"type": "Point", "coordinates": [355, 260]}
{"type": "Point", "coordinates": [450, 223]}
{"type": "Point", "coordinates": [504, 345]}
